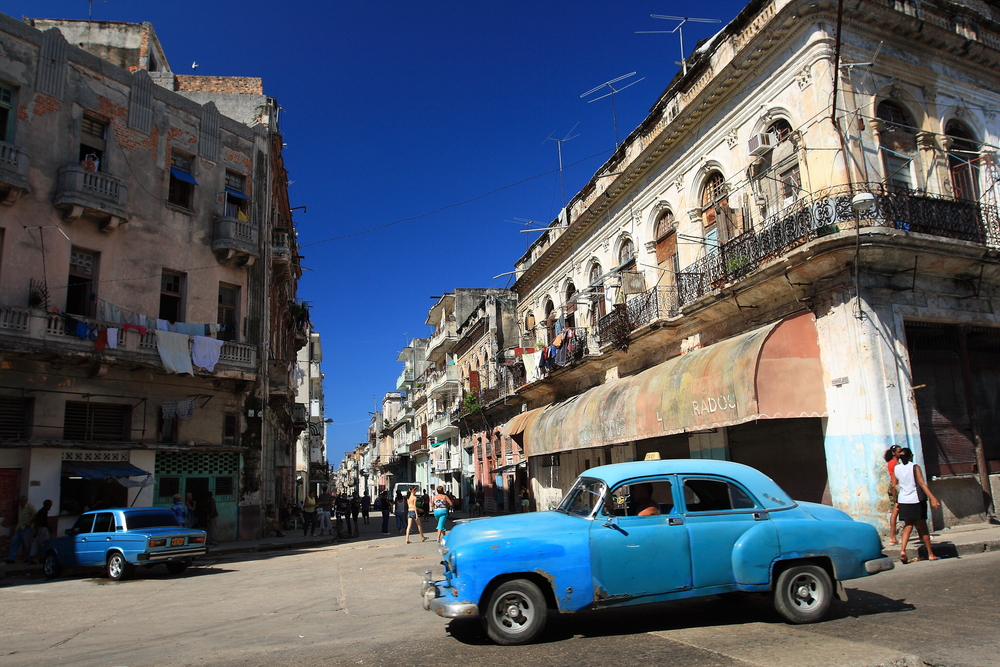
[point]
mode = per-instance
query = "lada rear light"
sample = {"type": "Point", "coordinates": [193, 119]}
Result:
{"type": "Point", "coordinates": [200, 539]}
{"type": "Point", "coordinates": [161, 542]}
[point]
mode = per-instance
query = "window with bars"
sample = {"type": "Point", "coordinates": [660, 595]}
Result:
{"type": "Point", "coordinates": [236, 198]}
{"type": "Point", "coordinates": [182, 181]}
{"type": "Point", "coordinates": [898, 144]}
{"type": "Point", "coordinates": [81, 282]}
{"type": "Point", "coordinates": [229, 298]}
{"type": "Point", "coordinates": [15, 418]}
{"type": "Point", "coordinates": [106, 422]}
{"type": "Point", "coordinates": [167, 487]}
{"type": "Point", "coordinates": [225, 486]}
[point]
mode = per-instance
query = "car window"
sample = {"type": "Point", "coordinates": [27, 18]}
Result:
{"type": "Point", "coordinates": [585, 495]}
{"type": "Point", "coordinates": [713, 495]}
{"type": "Point", "coordinates": [104, 523]}
{"type": "Point", "coordinates": [83, 524]}
{"type": "Point", "coordinates": [150, 519]}
{"type": "Point", "coordinates": [646, 498]}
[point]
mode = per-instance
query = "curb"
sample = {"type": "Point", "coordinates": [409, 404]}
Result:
{"type": "Point", "coordinates": [947, 549]}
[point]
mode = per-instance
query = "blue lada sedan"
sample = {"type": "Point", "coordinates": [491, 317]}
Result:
{"type": "Point", "coordinates": [118, 540]}
{"type": "Point", "coordinates": [651, 531]}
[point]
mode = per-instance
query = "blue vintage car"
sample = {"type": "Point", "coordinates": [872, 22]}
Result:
{"type": "Point", "coordinates": [120, 539]}
{"type": "Point", "coordinates": [632, 533]}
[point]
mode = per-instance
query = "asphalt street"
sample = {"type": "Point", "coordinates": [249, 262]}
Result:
{"type": "Point", "coordinates": [358, 603]}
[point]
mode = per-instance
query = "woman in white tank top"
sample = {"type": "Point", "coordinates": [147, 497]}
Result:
{"type": "Point", "coordinates": [913, 508]}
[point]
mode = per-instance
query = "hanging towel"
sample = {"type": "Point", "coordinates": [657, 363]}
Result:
{"type": "Point", "coordinates": [102, 340]}
{"type": "Point", "coordinates": [141, 330]}
{"type": "Point", "coordinates": [112, 338]}
{"type": "Point", "coordinates": [169, 409]}
{"type": "Point", "coordinates": [530, 360]}
{"type": "Point", "coordinates": [175, 352]}
{"type": "Point", "coordinates": [190, 329]}
{"type": "Point", "coordinates": [162, 325]}
{"type": "Point", "coordinates": [205, 352]}
{"type": "Point", "coordinates": [213, 328]}
{"type": "Point", "coordinates": [144, 321]}
{"type": "Point", "coordinates": [185, 407]}
{"type": "Point", "coordinates": [82, 330]}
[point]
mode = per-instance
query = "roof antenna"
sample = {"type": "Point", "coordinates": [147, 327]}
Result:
{"type": "Point", "coordinates": [679, 30]}
{"type": "Point", "coordinates": [559, 142]}
{"type": "Point", "coordinates": [614, 113]}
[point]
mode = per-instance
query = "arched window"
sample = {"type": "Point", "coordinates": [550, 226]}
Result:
{"type": "Point", "coordinates": [716, 217]}
{"type": "Point", "coordinates": [598, 308]}
{"type": "Point", "coordinates": [550, 321]}
{"type": "Point", "coordinates": [898, 144]}
{"type": "Point", "coordinates": [626, 254]}
{"type": "Point", "coordinates": [666, 246]}
{"type": "Point", "coordinates": [570, 304]}
{"type": "Point", "coordinates": [963, 161]}
{"type": "Point", "coordinates": [781, 129]}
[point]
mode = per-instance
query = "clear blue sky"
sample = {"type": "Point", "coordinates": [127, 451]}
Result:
{"type": "Point", "coordinates": [394, 110]}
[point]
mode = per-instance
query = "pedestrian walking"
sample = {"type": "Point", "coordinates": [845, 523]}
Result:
{"type": "Point", "coordinates": [344, 511]}
{"type": "Point", "coordinates": [891, 459]}
{"type": "Point", "coordinates": [213, 520]}
{"type": "Point", "coordinates": [525, 500]}
{"type": "Point", "coordinates": [441, 503]}
{"type": "Point", "coordinates": [400, 510]}
{"type": "Point", "coordinates": [309, 514]}
{"type": "Point", "coordinates": [355, 510]}
{"type": "Point", "coordinates": [40, 530]}
{"type": "Point", "coordinates": [366, 506]}
{"type": "Point", "coordinates": [384, 506]}
{"type": "Point", "coordinates": [411, 517]}
{"type": "Point", "coordinates": [192, 518]}
{"type": "Point", "coordinates": [323, 510]}
{"type": "Point", "coordinates": [180, 510]}
{"type": "Point", "coordinates": [912, 505]}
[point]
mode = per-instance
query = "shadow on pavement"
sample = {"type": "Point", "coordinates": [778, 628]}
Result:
{"type": "Point", "coordinates": [710, 611]}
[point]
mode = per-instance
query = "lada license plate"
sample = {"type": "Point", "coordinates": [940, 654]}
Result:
{"type": "Point", "coordinates": [177, 542]}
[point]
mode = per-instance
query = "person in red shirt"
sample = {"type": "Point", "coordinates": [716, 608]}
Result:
{"type": "Point", "coordinates": [891, 459]}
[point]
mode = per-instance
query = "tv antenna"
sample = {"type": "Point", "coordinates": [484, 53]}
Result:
{"type": "Point", "coordinates": [679, 30]}
{"type": "Point", "coordinates": [610, 85]}
{"type": "Point", "coordinates": [559, 143]}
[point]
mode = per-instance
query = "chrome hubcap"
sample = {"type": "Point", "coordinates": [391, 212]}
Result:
{"type": "Point", "coordinates": [804, 590]}
{"type": "Point", "coordinates": [513, 612]}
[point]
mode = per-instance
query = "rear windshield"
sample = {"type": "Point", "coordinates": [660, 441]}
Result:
{"type": "Point", "coordinates": [150, 519]}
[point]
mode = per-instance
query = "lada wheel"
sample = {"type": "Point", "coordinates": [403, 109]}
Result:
{"type": "Point", "coordinates": [177, 566]}
{"type": "Point", "coordinates": [803, 594]}
{"type": "Point", "coordinates": [118, 567]}
{"type": "Point", "coordinates": [516, 612]}
{"type": "Point", "coordinates": [51, 566]}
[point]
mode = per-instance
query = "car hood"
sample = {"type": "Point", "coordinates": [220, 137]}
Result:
{"type": "Point", "coordinates": [537, 525]}
{"type": "Point", "coordinates": [824, 512]}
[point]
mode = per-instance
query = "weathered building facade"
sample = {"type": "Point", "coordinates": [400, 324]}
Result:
{"type": "Point", "coordinates": [137, 276]}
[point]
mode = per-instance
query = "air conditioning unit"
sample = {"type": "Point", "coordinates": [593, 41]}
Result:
{"type": "Point", "coordinates": [761, 144]}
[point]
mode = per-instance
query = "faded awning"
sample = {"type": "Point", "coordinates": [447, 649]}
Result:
{"type": "Point", "coordinates": [508, 468]}
{"type": "Point", "coordinates": [516, 426]}
{"type": "Point", "coordinates": [768, 373]}
{"type": "Point", "coordinates": [102, 470]}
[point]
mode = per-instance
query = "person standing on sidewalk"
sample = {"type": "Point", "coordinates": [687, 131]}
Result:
{"type": "Point", "coordinates": [913, 507]}
{"type": "Point", "coordinates": [412, 518]}
{"type": "Point", "coordinates": [400, 512]}
{"type": "Point", "coordinates": [441, 503]}
{"type": "Point", "coordinates": [366, 506]}
{"type": "Point", "coordinates": [355, 510]}
{"type": "Point", "coordinates": [213, 519]}
{"type": "Point", "coordinates": [344, 510]}
{"type": "Point", "coordinates": [383, 503]}
{"type": "Point", "coordinates": [40, 530]}
{"type": "Point", "coordinates": [309, 514]}
{"type": "Point", "coordinates": [180, 511]}
{"type": "Point", "coordinates": [891, 460]}
{"type": "Point", "coordinates": [325, 502]}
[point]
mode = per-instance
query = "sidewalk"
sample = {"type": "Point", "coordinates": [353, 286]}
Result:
{"type": "Point", "coordinates": [951, 542]}
{"type": "Point", "coordinates": [292, 540]}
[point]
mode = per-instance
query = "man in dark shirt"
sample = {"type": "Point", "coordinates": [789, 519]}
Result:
{"type": "Point", "coordinates": [344, 510]}
{"type": "Point", "coordinates": [40, 526]}
{"type": "Point", "coordinates": [366, 506]}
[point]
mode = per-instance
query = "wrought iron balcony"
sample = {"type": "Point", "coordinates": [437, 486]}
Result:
{"type": "Point", "coordinates": [93, 194]}
{"type": "Point", "coordinates": [235, 240]}
{"type": "Point", "coordinates": [14, 165]}
{"type": "Point", "coordinates": [639, 310]}
{"type": "Point", "coordinates": [828, 212]}
{"type": "Point", "coordinates": [281, 253]}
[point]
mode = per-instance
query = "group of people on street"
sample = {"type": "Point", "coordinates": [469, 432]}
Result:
{"type": "Point", "coordinates": [909, 494]}
{"type": "Point", "coordinates": [185, 511]}
{"type": "Point", "coordinates": [330, 512]}
{"type": "Point", "coordinates": [31, 530]}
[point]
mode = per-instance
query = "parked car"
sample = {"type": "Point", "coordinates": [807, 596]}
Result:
{"type": "Point", "coordinates": [651, 531]}
{"type": "Point", "coordinates": [118, 540]}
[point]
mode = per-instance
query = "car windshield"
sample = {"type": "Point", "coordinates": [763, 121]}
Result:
{"type": "Point", "coordinates": [136, 520]}
{"type": "Point", "coordinates": [585, 495]}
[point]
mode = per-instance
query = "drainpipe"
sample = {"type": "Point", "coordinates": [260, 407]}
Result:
{"type": "Point", "coordinates": [977, 439]}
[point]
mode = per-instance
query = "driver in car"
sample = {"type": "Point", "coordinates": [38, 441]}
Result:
{"type": "Point", "coordinates": [642, 503]}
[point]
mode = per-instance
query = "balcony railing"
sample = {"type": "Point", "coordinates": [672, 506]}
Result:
{"type": "Point", "coordinates": [444, 337]}
{"type": "Point", "coordinates": [281, 253]}
{"type": "Point", "coordinates": [49, 330]}
{"type": "Point", "coordinates": [441, 422]}
{"type": "Point", "coordinates": [81, 192]}
{"type": "Point", "coordinates": [14, 165]}
{"type": "Point", "coordinates": [442, 379]}
{"type": "Point", "coordinates": [828, 212]}
{"type": "Point", "coordinates": [235, 240]}
{"type": "Point", "coordinates": [640, 309]}
{"type": "Point", "coordinates": [405, 378]}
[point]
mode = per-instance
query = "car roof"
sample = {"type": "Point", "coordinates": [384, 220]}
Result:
{"type": "Point", "coordinates": [772, 495]}
{"type": "Point", "coordinates": [128, 510]}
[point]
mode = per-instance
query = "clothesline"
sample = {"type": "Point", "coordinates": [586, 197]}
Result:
{"type": "Point", "coordinates": [106, 311]}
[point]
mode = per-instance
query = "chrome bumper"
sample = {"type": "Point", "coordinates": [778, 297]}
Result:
{"type": "Point", "coordinates": [882, 564]}
{"type": "Point", "coordinates": [433, 600]}
{"type": "Point", "coordinates": [177, 554]}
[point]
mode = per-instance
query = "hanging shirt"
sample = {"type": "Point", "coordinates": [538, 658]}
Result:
{"type": "Point", "coordinates": [175, 352]}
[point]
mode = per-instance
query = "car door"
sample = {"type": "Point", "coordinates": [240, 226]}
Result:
{"type": "Point", "coordinates": [94, 545]}
{"type": "Point", "coordinates": [719, 514]}
{"type": "Point", "coordinates": [639, 556]}
{"type": "Point", "coordinates": [80, 541]}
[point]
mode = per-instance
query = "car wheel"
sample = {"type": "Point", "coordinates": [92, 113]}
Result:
{"type": "Point", "coordinates": [118, 567]}
{"type": "Point", "coordinates": [516, 612]}
{"type": "Point", "coordinates": [803, 594]}
{"type": "Point", "coordinates": [176, 567]}
{"type": "Point", "coordinates": [51, 566]}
